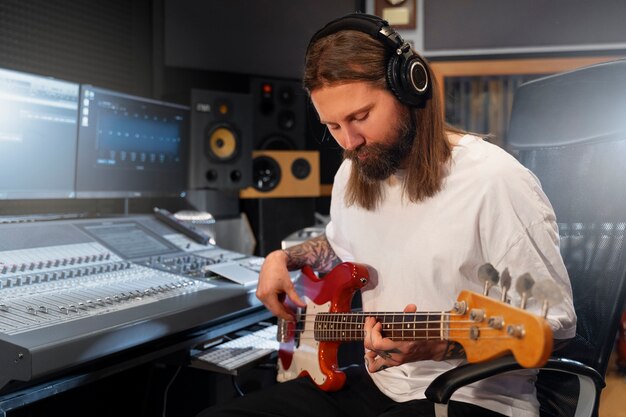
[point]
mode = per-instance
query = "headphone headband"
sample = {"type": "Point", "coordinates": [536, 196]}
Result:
{"type": "Point", "coordinates": [374, 26]}
{"type": "Point", "coordinates": [407, 76]}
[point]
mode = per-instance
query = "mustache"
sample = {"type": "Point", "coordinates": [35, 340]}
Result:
{"type": "Point", "coordinates": [372, 149]}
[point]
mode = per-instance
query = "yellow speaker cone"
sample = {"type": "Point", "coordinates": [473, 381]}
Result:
{"type": "Point", "coordinates": [222, 143]}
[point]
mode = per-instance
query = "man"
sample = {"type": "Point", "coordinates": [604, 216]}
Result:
{"type": "Point", "coordinates": [424, 206]}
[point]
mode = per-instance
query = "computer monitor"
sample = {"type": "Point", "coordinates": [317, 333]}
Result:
{"type": "Point", "coordinates": [38, 117]}
{"type": "Point", "coordinates": [130, 146]}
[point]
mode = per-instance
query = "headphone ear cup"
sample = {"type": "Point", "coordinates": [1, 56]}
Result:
{"type": "Point", "coordinates": [408, 80]}
{"type": "Point", "coordinates": [393, 79]}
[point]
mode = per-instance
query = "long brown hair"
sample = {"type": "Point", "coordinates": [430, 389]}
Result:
{"type": "Point", "coordinates": [349, 56]}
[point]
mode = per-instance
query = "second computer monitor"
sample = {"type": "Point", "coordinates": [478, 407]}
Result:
{"type": "Point", "coordinates": [130, 146]}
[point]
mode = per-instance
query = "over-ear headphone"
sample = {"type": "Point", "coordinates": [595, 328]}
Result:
{"type": "Point", "coordinates": [406, 73]}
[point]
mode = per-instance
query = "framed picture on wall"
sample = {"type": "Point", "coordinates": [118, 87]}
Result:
{"type": "Point", "coordinates": [401, 14]}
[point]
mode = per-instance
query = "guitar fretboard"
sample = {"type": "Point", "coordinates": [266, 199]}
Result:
{"type": "Point", "coordinates": [346, 327]}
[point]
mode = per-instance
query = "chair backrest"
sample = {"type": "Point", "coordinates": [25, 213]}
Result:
{"type": "Point", "coordinates": [570, 130]}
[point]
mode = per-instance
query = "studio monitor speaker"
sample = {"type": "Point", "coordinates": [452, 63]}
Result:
{"type": "Point", "coordinates": [221, 140]}
{"type": "Point", "coordinates": [279, 114]}
{"type": "Point", "coordinates": [278, 174]}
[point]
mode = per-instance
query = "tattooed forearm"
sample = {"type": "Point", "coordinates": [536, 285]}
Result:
{"type": "Point", "coordinates": [315, 252]}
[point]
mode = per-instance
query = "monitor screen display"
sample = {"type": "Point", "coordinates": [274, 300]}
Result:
{"type": "Point", "coordinates": [130, 146]}
{"type": "Point", "coordinates": [38, 117]}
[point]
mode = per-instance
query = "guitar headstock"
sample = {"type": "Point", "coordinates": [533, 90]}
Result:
{"type": "Point", "coordinates": [489, 328]}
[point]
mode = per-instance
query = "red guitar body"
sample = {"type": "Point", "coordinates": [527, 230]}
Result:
{"type": "Point", "coordinates": [332, 294]}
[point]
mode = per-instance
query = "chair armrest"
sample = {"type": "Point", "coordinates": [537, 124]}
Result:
{"type": "Point", "coordinates": [441, 389]}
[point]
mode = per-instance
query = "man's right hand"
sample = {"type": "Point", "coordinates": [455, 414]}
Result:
{"type": "Point", "coordinates": [275, 283]}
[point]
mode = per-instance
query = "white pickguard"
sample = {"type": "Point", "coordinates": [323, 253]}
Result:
{"type": "Point", "coordinates": [305, 356]}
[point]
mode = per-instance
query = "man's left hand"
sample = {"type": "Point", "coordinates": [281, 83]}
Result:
{"type": "Point", "coordinates": [382, 352]}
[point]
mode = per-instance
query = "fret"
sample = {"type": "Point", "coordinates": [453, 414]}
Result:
{"type": "Point", "coordinates": [434, 328]}
{"type": "Point", "coordinates": [328, 327]}
{"type": "Point", "coordinates": [359, 320]}
{"type": "Point", "coordinates": [402, 336]}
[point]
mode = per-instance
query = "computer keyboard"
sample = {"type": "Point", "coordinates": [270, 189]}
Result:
{"type": "Point", "coordinates": [234, 355]}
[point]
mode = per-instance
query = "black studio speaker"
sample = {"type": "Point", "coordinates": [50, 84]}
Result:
{"type": "Point", "coordinates": [221, 140]}
{"type": "Point", "coordinates": [279, 114]}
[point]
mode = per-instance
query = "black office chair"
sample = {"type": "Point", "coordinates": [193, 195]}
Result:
{"type": "Point", "coordinates": [570, 130]}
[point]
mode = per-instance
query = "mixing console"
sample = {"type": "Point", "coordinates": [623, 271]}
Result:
{"type": "Point", "coordinates": [72, 291]}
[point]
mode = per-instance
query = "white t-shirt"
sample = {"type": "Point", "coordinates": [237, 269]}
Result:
{"type": "Point", "coordinates": [491, 209]}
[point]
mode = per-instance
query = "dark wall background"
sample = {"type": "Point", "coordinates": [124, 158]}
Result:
{"type": "Point", "coordinates": [260, 37]}
{"type": "Point", "coordinates": [483, 24]}
{"type": "Point", "coordinates": [106, 43]}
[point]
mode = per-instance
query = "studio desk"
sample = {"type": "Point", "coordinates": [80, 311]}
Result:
{"type": "Point", "coordinates": [87, 298]}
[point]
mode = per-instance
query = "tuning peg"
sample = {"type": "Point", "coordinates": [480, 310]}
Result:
{"type": "Point", "coordinates": [505, 283]}
{"type": "Point", "coordinates": [489, 276]}
{"type": "Point", "coordinates": [524, 287]}
{"type": "Point", "coordinates": [548, 294]}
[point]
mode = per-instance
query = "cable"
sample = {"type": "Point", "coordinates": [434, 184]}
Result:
{"type": "Point", "coordinates": [167, 388]}
{"type": "Point", "coordinates": [236, 386]}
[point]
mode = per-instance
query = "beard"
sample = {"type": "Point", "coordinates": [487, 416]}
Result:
{"type": "Point", "coordinates": [378, 161]}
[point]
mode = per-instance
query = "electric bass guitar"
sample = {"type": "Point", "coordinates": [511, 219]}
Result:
{"type": "Point", "coordinates": [485, 327]}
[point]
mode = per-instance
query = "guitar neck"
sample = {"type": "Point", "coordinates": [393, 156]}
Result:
{"type": "Point", "coordinates": [347, 327]}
